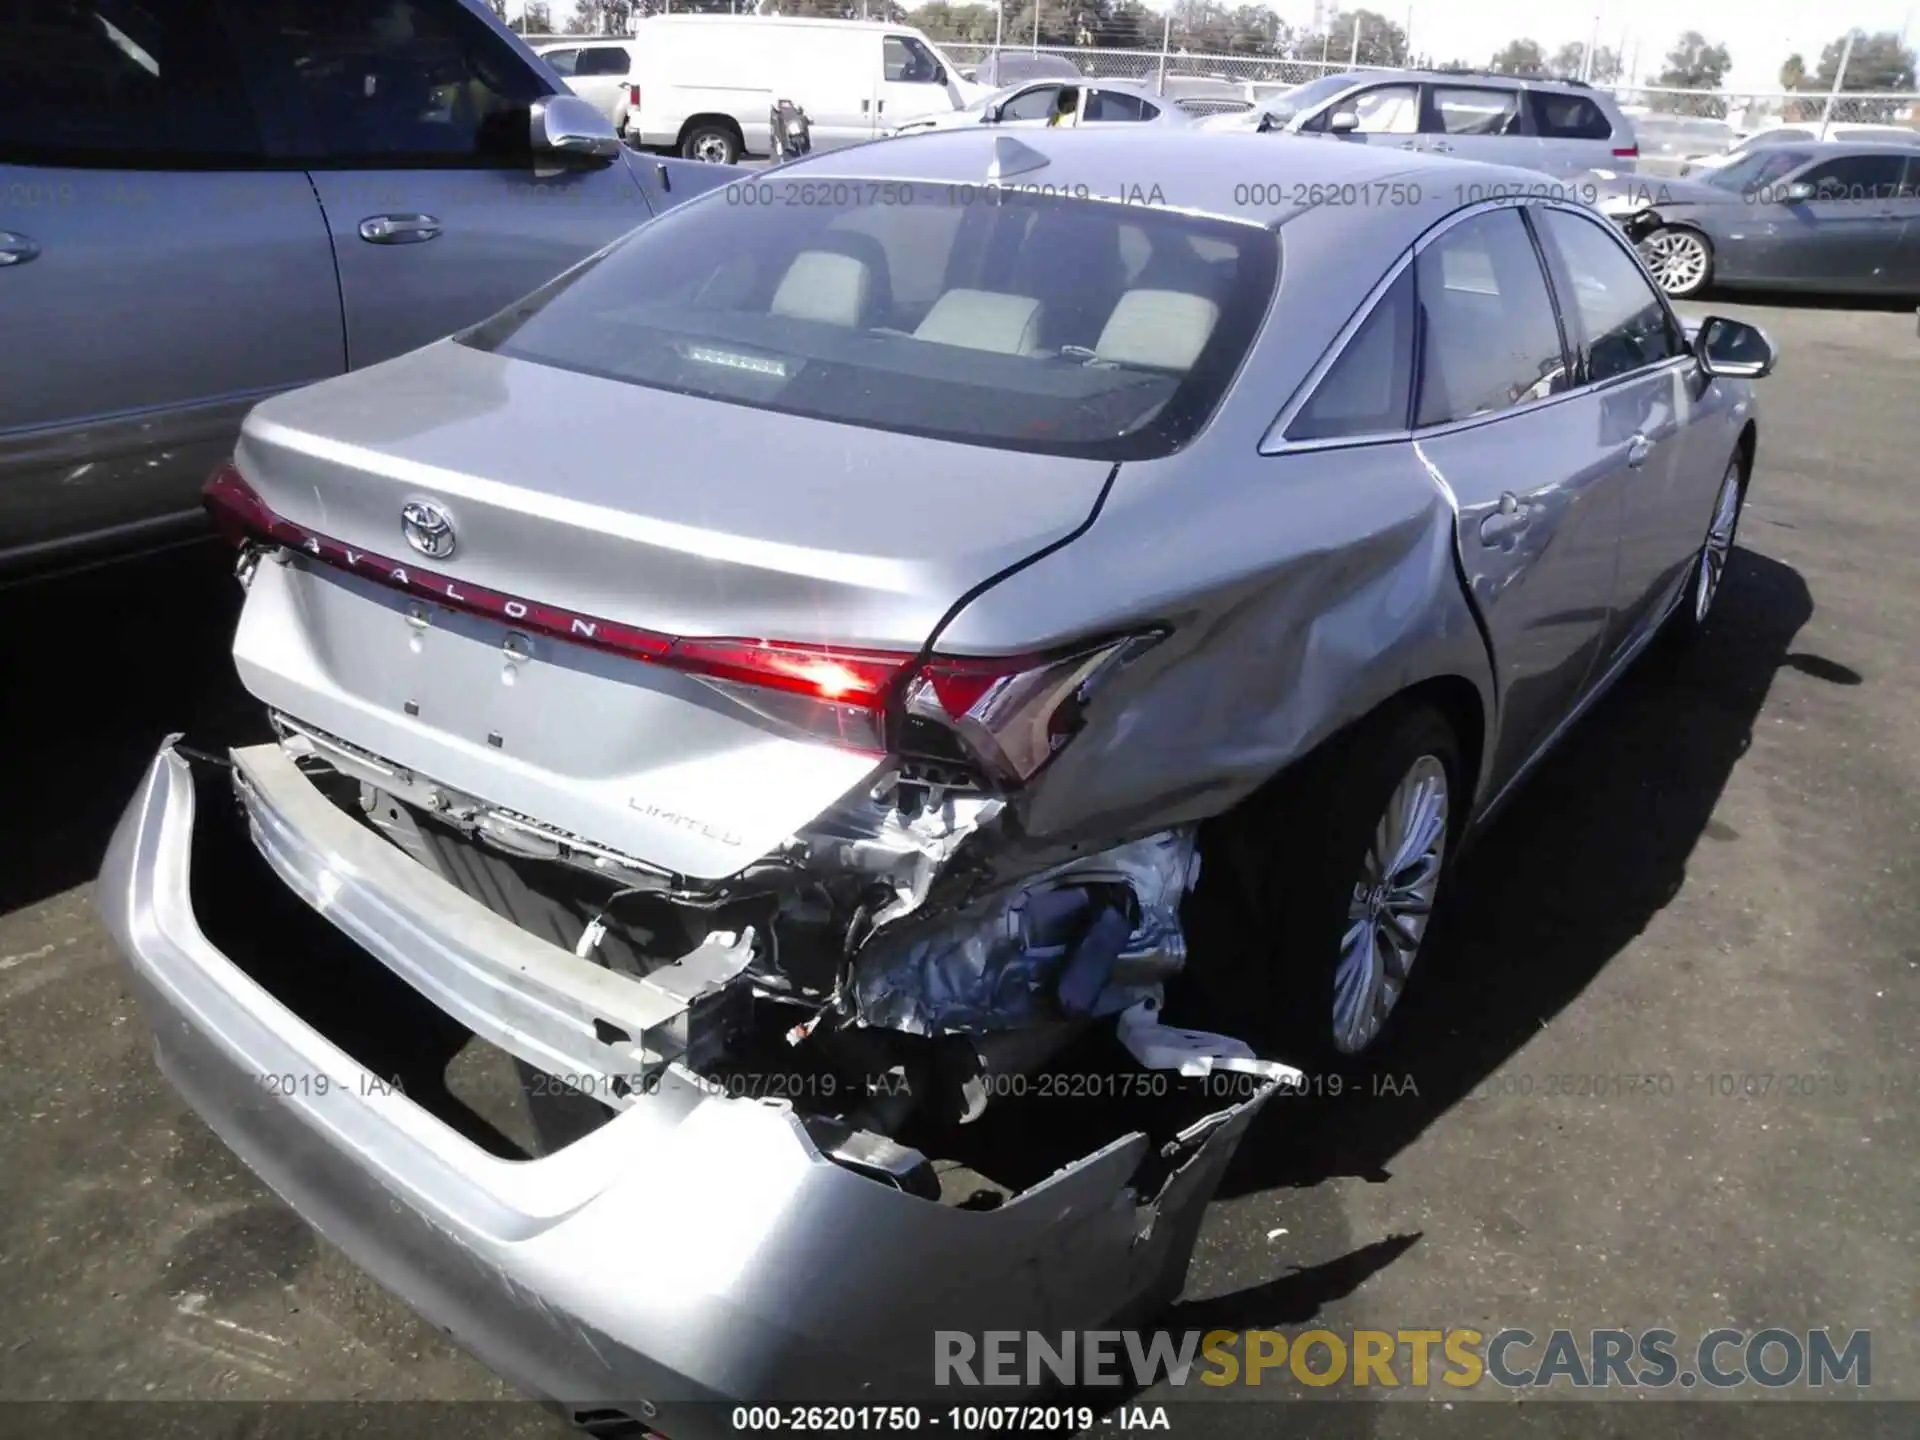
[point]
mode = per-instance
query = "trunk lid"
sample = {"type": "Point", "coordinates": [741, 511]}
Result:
{"type": "Point", "coordinates": [669, 513]}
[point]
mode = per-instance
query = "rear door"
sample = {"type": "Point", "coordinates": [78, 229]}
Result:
{"type": "Point", "coordinates": [1535, 471]}
{"type": "Point", "coordinates": [412, 121]}
{"type": "Point", "coordinates": [830, 74]}
{"type": "Point", "coordinates": [1573, 133]}
{"type": "Point", "coordinates": [1904, 276]}
{"type": "Point", "coordinates": [1847, 235]}
{"type": "Point", "coordinates": [1641, 385]}
{"type": "Point", "coordinates": [159, 269]}
{"type": "Point", "coordinates": [1478, 122]}
{"type": "Point", "coordinates": [1114, 107]}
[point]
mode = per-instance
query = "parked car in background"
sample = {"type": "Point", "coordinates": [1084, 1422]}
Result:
{"type": "Point", "coordinates": [1039, 104]}
{"type": "Point", "coordinates": [708, 82]}
{"type": "Point", "coordinates": [1669, 142]}
{"type": "Point", "coordinates": [1006, 588]}
{"type": "Point", "coordinates": [1795, 216]}
{"type": "Point", "coordinates": [1801, 133]}
{"type": "Point", "coordinates": [1204, 94]}
{"type": "Point", "coordinates": [1557, 126]}
{"type": "Point", "coordinates": [1011, 67]}
{"type": "Point", "coordinates": [170, 254]}
{"type": "Point", "coordinates": [602, 71]}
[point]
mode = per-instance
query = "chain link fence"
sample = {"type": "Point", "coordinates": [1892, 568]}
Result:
{"type": "Point", "coordinates": [1263, 75]}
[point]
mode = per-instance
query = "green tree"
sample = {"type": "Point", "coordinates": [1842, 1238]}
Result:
{"type": "Point", "coordinates": [1695, 63]}
{"type": "Point", "coordinates": [1519, 57]}
{"type": "Point", "coordinates": [1878, 62]}
{"type": "Point", "coordinates": [961, 24]}
{"type": "Point", "coordinates": [1569, 58]}
{"type": "Point", "coordinates": [1793, 73]}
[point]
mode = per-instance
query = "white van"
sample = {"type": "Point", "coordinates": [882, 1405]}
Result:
{"type": "Point", "coordinates": [708, 82]}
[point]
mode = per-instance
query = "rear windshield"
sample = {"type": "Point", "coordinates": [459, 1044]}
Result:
{"type": "Point", "coordinates": [1568, 117]}
{"type": "Point", "coordinates": [1008, 317]}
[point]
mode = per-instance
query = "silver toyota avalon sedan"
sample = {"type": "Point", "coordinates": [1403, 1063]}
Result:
{"type": "Point", "coordinates": [799, 682]}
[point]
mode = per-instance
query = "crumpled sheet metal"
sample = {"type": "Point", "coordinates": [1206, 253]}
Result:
{"type": "Point", "coordinates": [1041, 951]}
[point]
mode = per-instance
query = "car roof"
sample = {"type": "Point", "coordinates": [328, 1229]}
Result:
{"type": "Point", "coordinates": [811, 20]}
{"type": "Point", "coordinates": [1823, 149]}
{"type": "Point", "coordinates": [1171, 168]}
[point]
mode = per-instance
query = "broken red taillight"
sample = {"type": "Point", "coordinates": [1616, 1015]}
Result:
{"type": "Point", "coordinates": [1005, 714]}
{"type": "Point", "coordinates": [1628, 152]}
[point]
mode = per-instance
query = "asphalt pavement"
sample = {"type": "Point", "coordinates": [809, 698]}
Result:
{"type": "Point", "coordinates": [1660, 1067]}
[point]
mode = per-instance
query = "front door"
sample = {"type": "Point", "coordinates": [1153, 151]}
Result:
{"type": "Point", "coordinates": [412, 115]}
{"type": "Point", "coordinates": [913, 83]}
{"type": "Point", "coordinates": [157, 274]}
{"type": "Point", "coordinates": [1635, 356]}
{"type": "Point", "coordinates": [1387, 115]}
{"type": "Point", "coordinates": [1537, 496]}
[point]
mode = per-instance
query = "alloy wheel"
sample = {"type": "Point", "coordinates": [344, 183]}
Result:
{"type": "Point", "coordinates": [1713, 554]}
{"type": "Point", "coordinates": [712, 149]}
{"type": "Point", "coordinates": [1678, 260]}
{"type": "Point", "coordinates": [1391, 903]}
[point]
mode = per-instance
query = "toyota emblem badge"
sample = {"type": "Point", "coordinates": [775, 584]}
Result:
{"type": "Point", "coordinates": [428, 528]}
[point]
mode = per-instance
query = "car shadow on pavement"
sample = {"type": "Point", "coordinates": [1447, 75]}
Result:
{"type": "Point", "coordinates": [1594, 844]}
{"type": "Point", "coordinates": [100, 666]}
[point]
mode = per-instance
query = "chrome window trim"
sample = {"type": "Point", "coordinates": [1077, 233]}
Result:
{"type": "Point", "coordinates": [1275, 441]}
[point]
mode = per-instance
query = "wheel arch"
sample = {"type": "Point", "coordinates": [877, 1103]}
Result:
{"type": "Point", "coordinates": [715, 118]}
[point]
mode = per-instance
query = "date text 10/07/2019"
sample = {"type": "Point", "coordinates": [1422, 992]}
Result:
{"type": "Point", "coordinates": [955, 1419]}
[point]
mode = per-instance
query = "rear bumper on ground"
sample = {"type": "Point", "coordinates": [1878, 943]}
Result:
{"type": "Point", "coordinates": [696, 1247]}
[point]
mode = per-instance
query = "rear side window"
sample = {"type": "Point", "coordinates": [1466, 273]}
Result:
{"type": "Point", "coordinates": [385, 82]}
{"type": "Point", "coordinates": [1489, 340]}
{"type": "Point", "coordinates": [113, 83]}
{"type": "Point", "coordinates": [1367, 390]}
{"type": "Point", "coordinates": [1856, 178]}
{"type": "Point", "coordinates": [1458, 110]}
{"type": "Point", "coordinates": [562, 61]}
{"type": "Point", "coordinates": [1567, 117]}
{"type": "Point", "coordinates": [1029, 322]}
{"type": "Point", "coordinates": [1112, 105]}
{"type": "Point", "coordinates": [1623, 323]}
{"type": "Point", "coordinates": [602, 60]}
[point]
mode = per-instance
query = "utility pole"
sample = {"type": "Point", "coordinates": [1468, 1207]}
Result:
{"type": "Point", "coordinates": [1407, 37]}
{"type": "Point", "coordinates": [1353, 59]}
{"type": "Point", "coordinates": [1839, 79]}
{"type": "Point", "coordinates": [1586, 60]}
{"type": "Point", "coordinates": [1166, 44]}
{"type": "Point", "coordinates": [1036, 27]}
{"type": "Point", "coordinates": [999, 15]}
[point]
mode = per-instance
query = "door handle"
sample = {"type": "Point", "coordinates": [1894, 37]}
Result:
{"type": "Point", "coordinates": [865, 105]}
{"type": "Point", "coordinates": [1506, 523]}
{"type": "Point", "coordinates": [1441, 145]}
{"type": "Point", "coordinates": [17, 249]}
{"type": "Point", "coordinates": [398, 229]}
{"type": "Point", "coordinates": [1638, 449]}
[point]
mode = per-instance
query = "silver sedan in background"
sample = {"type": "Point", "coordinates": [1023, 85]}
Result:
{"type": "Point", "coordinates": [1051, 556]}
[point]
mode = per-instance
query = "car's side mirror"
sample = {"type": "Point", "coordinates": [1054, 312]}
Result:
{"type": "Point", "coordinates": [566, 125]}
{"type": "Point", "coordinates": [1798, 193]}
{"type": "Point", "coordinates": [1733, 348]}
{"type": "Point", "coordinates": [991, 116]}
{"type": "Point", "coordinates": [1343, 122]}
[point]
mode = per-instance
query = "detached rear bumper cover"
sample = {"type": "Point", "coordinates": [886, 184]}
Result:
{"type": "Point", "coordinates": [696, 1247]}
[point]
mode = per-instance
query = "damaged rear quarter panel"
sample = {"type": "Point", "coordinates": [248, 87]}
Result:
{"type": "Point", "coordinates": [1302, 591]}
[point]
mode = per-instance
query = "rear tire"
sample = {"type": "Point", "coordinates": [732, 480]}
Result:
{"type": "Point", "coordinates": [1334, 872]}
{"type": "Point", "coordinates": [714, 144]}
